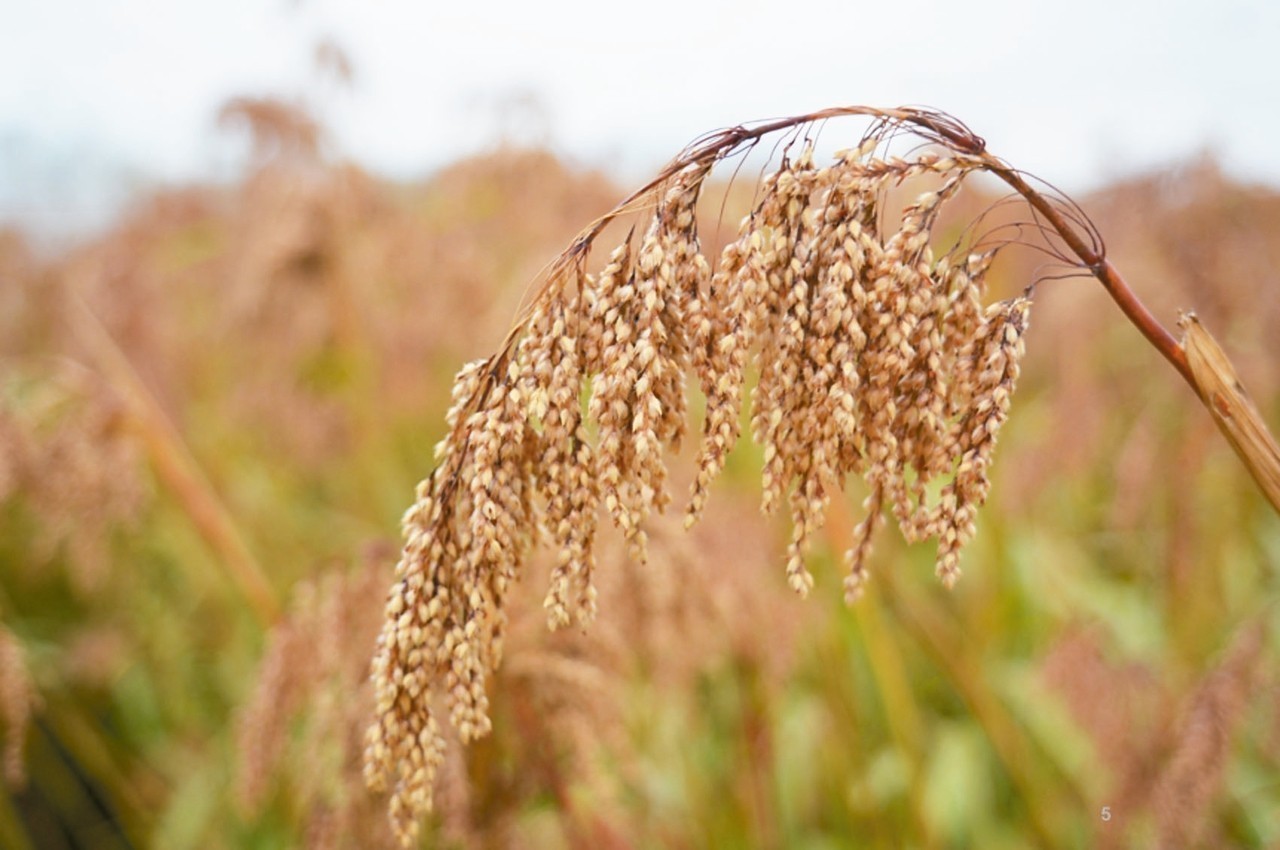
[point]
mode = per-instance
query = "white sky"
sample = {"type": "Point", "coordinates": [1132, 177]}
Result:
{"type": "Point", "coordinates": [1076, 92]}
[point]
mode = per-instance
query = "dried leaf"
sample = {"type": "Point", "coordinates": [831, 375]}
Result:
{"type": "Point", "coordinates": [1231, 407]}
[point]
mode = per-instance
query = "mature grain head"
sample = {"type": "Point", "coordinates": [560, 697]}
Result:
{"type": "Point", "coordinates": [874, 357]}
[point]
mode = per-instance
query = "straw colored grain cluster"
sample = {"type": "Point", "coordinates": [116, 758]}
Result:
{"type": "Point", "coordinates": [874, 357]}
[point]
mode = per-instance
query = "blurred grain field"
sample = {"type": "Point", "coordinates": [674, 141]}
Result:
{"type": "Point", "coordinates": [212, 416]}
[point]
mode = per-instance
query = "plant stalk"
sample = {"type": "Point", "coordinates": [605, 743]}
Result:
{"type": "Point", "coordinates": [178, 469]}
{"type": "Point", "coordinates": [1106, 273]}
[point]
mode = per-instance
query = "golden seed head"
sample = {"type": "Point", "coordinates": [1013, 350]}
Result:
{"type": "Point", "coordinates": [874, 358]}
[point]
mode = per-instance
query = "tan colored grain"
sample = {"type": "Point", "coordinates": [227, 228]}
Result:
{"type": "Point", "coordinates": [874, 358]}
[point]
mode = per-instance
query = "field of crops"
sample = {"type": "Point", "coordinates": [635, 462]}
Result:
{"type": "Point", "coordinates": [213, 416]}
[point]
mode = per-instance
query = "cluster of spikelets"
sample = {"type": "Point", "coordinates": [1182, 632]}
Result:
{"type": "Point", "coordinates": [873, 357]}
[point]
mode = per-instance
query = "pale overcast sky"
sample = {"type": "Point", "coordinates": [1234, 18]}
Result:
{"type": "Point", "coordinates": [1077, 92]}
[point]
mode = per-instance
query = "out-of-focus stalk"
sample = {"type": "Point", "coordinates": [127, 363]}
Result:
{"type": "Point", "coordinates": [177, 468]}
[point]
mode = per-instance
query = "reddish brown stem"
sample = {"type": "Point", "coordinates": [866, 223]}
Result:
{"type": "Point", "coordinates": [1141, 317]}
{"type": "Point", "coordinates": [1107, 274]}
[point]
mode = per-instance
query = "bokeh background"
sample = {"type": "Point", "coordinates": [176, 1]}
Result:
{"type": "Point", "coordinates": [245, 248]}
